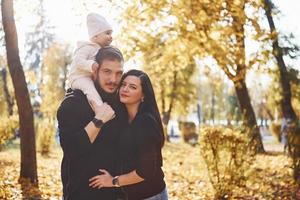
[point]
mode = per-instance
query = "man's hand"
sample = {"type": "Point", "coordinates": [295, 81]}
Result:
{"type": "Point", "coordinates": [103, 111]}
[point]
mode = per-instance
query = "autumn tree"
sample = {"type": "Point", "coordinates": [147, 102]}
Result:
{"type": "Point", "coordinates": [274, 101]}
{"type": "Point", "coordinates": [1, 34]}
{"type": "Point", "coordinates": [217, 28]}
{"type": "Point", "coordinates": [28, 151]}
{"type": "Point", "coordinates": [295, 82]}
{"type": "Point", "coordinates": [286, 95]}
{"type": "Point", "coordinates": [233, 113]}
{"type": "Point", "coordinates": [212, 93]}
{"type": "Point", "coordinates": [278, 53]}
{"type": "Point", "coordinates": [172, 75]}
{"type": "Point", "coordinates": [56, 60]}
{"type": "Point", "coordinates": [167, 62]}
{"type": "Point", "coordinates": [227, 37]}
{"type": "Point", "coordinates": [38, 40]}
{"type": "Point", "coordinates": [7, 96]}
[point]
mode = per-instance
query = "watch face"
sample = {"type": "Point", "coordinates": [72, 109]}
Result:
{"type": "Point", "coordinates": [98, 122]}
{"type": "Point", "coordinates": [115, 181]}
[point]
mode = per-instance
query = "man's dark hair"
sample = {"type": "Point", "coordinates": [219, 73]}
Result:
{"type": "Point", "coordinates": [109, 53]}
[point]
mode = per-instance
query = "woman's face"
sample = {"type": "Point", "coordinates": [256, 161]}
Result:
{"type": "Point", "coordinates": [131, 90]}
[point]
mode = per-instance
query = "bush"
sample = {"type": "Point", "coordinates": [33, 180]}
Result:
{"type": "Point", "coordinates": [8, 127]}
{"type": "Point", "coordinates": [275, 129]}
{"type": "Point", "coordinates": [228, 157]}
{"type": "Point", "coordinates": [293, 134]}
{"type": "Point", "coordinates": [45, 135]}
{"type": "Point", "coordinates": [188, 131]}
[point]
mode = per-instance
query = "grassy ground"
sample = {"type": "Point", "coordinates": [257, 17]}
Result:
{"type": "Point", "coordinates": [185, 170]}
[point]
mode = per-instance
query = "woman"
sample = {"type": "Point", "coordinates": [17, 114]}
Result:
{"type": "Point", "coordinates": [140, 143]}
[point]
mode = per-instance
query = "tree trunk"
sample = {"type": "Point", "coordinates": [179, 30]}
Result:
{"type": "Point", "coordinates": [285, 103]}
{"type": "Point", "coordinates": [269, 113]}
{"type": "Point", "coordinates": [249, 118]}
{"type": "Point", "coordinates": [172, 100]}
{"type": "Point", "coordinates": [199, 113]}
{"type": "Point", "coordinates": [8, 98]}
{"type": "Point", "coordinates": [167, 113]}
{"type": "Point", "coordinates": [212, 112]}
{"type": "Point", "coordinates": [28, 151]}
{"type": "Point", "coordinates": [163, 112]}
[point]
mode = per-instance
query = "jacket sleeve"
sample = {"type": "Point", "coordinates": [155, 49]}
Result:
{"type": "Point", "coordinates": [81, 58]}
{"type": "Point", "coordinates": [74, 140]}
{"type": "Point", "coordinates": [148, 145]}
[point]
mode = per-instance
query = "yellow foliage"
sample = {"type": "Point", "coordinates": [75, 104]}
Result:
{"type": "Point", "coordinates": [293, 134]}
{"type": "Point", "coordinates": [228, 156]}
{"type": "Point", "coordinates": [185, 174]}
{"type": "Point", "coordinates": [8, 126]}
{"type": "Point", "coordinates": [45, 135]}
{"type": "Point", "coordinates": [48, 174]}
{"type": "Point", "coordinates": [185, 29]}
{"type": "Point", "coordinates": [55, 64]}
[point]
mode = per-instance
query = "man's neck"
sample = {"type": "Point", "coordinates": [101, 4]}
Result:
{"type": "Point", "coordinates": [110, 98]}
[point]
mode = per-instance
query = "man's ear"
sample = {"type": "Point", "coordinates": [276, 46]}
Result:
{"type": "Point", "coordinates": [95, 74]}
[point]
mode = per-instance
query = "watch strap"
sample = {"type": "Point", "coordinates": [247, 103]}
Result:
{"type": "Point", "coordinates": [97, 122]}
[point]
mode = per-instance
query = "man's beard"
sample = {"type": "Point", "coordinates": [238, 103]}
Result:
{"type": "Point", "coordinates": [106, 96]}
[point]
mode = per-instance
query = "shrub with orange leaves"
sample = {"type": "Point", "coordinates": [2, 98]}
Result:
{"type": "Point", "coordinates": [228, 156]}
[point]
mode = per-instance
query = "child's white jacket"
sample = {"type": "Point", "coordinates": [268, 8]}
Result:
{"type": "Point", "coordinates": [84, 57]}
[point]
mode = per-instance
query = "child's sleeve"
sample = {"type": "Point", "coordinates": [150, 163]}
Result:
{"type": "Point", "coordinates": [81, 58]}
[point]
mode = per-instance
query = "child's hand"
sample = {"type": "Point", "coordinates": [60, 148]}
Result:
{"type": "Point", "coordinates": [103, 111]}
{"type": "Point", "coordinates": [95, 66]}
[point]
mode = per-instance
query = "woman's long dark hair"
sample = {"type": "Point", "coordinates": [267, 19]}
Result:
{"type": "Point", "coordinates": [149, 104]}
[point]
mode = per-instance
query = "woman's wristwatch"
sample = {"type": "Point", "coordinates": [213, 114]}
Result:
{"type": "Point", "coordinates": [115, 181]}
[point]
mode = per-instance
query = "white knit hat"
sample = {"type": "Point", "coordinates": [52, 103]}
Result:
{"type": "Point", "coordinates": [96, 24]}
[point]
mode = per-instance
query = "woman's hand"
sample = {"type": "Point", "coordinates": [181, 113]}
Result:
{"type": "Point", "coordinates": [103, 180]}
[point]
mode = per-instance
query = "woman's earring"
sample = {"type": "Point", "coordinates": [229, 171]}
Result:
{"type": "Point", "coordinates": [142, 99]}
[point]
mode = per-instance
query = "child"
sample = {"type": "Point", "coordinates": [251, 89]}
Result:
{"type": "Point", "coordinates": [84, 64]}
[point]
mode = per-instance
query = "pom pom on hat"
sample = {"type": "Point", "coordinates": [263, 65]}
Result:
{"type": "Point", "coordinates": [96, 24]}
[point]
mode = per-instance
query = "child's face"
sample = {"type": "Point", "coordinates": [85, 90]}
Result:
{"type": "Point", "coordinates": [103, 39]}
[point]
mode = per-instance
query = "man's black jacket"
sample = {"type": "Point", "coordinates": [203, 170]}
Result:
{"type": "Point", "coordinates": [82, 159]}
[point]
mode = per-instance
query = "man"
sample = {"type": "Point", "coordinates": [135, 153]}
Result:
{"type": "Point", "coordinates": [88, 133]}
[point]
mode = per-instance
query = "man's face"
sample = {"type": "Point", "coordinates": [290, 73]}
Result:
{"type": "Point", "coordinates": [109, 75]}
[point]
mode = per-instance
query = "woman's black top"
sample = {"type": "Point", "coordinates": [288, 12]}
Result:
{"type": "Point", "coordinates": [140, 149]}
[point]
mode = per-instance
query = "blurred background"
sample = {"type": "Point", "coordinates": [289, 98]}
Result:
{"type": "Point", "coordinates": [221, 63]}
